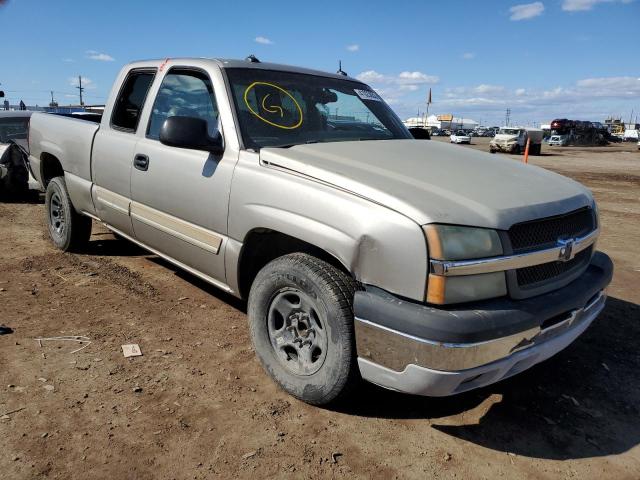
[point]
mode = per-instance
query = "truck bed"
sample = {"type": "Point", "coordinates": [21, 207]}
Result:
{"type": "Point", "coordinates": [69, 139]}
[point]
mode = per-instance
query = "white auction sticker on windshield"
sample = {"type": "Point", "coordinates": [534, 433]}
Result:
{"type": "Point", "coordinates": [367, 95]}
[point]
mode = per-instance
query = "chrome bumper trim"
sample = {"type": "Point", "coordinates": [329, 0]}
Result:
{"type": "Point", "coordinates": [396, 350]}
{"type": "Point", "coordinates": [498, 264]}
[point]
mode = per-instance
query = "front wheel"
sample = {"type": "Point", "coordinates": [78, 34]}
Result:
{"type": "Point", "coordinates": [301, 323]}
{"type": "Point", "coordinates": [69, 230]}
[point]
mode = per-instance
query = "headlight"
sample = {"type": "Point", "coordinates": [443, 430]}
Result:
{"type": "Point", "coordinates": [449, 242]}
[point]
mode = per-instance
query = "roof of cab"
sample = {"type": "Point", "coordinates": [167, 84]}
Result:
{"type": "Point", "coordinates": [234, 63]}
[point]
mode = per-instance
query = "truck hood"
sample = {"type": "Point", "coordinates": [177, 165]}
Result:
{"type": "Point", "coordinates": [430, 181]}
{"type": "Point", "coordinates": [501, 137]}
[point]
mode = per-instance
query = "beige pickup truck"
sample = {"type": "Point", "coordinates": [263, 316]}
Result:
{"type": "Point", "coordinates": [363, 253]}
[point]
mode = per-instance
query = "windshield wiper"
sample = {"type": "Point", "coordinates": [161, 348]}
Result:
{"type": "Point", "coordinates": [289, 145]}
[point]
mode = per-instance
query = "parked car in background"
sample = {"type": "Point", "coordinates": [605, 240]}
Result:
{"type": "Point", "coordinates": [361, 252]}
{"type": "Point", "coordinates": [630, 135]}
{"type": "Point", "coordinates": [514, 140]}
{"type": "Point", "coordinates": [559, 140]}
{"type": "Point", "coordinates": [460, 137]}
{"type": "Point", "coordinates": [480, 131]}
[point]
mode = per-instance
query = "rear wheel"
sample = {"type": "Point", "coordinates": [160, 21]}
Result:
{"type": "Point", "coordinates": [301, 324]}
{"type": "Point", "coordinates": [69, 230]}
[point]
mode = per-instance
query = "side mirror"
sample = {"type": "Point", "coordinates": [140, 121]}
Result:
{"type": "Point", "coordinates": [190, 132]}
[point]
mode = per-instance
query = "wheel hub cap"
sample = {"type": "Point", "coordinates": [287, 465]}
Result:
{"type": "Point", "coordinates": [56, 214]}
{"type": "Point", "coordinates": [297, 332]}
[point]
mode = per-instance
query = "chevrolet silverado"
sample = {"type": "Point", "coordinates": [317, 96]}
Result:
{"type": "Point", "coordinates": [362, 253]}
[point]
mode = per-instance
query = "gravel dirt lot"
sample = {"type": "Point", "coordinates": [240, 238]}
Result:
{"type": "Point", "coordinates": [197, 404]}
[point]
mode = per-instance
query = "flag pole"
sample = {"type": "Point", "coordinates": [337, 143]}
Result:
{"type": "Point", "coordinates": [428, 103]}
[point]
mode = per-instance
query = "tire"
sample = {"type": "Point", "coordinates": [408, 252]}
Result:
{"type": "Point", "coordinates": [300, 313]}
{"type": "Point", "coordinates": [69, 231]}
{"type": "Point", "coordinates": [516, 150]}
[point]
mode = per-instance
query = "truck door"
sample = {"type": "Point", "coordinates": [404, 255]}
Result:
{"type": "Point", "coordinates": [181, 196]}
{"type": "Point", "coordinates": [113, 151]}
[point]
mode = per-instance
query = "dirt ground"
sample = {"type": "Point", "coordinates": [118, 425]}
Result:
{"type": "Point", "coordinates": [197, 404]}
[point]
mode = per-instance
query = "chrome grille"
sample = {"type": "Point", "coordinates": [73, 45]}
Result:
{"type": "Point", "coordinates": [544, 233]}
{"type": "Point", "coordinates": [530, 276]}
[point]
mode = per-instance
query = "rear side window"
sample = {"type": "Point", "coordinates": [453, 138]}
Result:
{"type": "Point", "coordinates": [128, 107]}
{"type": "Point", "coordinates": [13, 128]}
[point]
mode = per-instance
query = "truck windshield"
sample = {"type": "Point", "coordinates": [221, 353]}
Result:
{"type": "Point", "coordinates": [509, 131]}
{"type": "Point", "coordinates": [283, 109]}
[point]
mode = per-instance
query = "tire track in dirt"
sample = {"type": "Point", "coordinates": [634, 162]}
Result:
{"type": "Point", "coordinates": [117, 274]}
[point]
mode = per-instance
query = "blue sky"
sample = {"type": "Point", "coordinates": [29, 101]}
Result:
{"type": "Point", "coordinates": [543, 59]}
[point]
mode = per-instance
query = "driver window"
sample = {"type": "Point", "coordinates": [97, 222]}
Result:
{"type": "Point", "coordinates": [187, 94]}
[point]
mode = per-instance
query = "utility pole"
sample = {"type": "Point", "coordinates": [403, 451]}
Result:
{"type": "Point", "coordinates": [507, 117]}
{"type": "Point", "coordinates": [80, 88]}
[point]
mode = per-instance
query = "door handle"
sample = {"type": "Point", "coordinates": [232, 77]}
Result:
{"type": "Point", "coordinates": [141, 162]}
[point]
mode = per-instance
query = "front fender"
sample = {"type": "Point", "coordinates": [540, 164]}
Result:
{"type": "Point", "coordinates": [379, 246]}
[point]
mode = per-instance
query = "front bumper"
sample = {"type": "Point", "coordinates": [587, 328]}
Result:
{"type": "Point", "coordinates": [419, 349]}
{"type": "Point", "coordinates": [503, 147]}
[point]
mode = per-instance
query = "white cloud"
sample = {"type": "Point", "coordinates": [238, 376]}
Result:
{"type": "Point", "coordinates": [586, 99]}
{"type": "Point", "coordinates": [610, 86]}
{"type": "Point", "coordinates": [354, 47]}
{"type": "Point", "coordinates": [493, 89]}
{"type": "Point", "coordinates": [526, 11]}
{"type": "Point", "coordinates": [416, 78]}
{"type": "Point", "coordinates": [263, 40]}
{"type": "Point", "coordinates": [403, 78]}
{"type": "Point", "coordinates": [68, 60]}
{"type": "Point", "coordinates": [392, 88]}
{"type": "Point", "coordinates": [371, 76]}
{"type": "Point", "coordinates": [584, 5]}
{"type": "Point", "coordinates": [102, 57]}
{"type": "Point", "coordinates": [468, 55]}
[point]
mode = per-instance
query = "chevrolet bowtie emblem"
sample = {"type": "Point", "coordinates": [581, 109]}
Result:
{"type": "Point", "coordinates": [566, 250]}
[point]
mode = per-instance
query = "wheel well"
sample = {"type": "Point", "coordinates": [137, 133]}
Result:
{"type": "Point", "coordinates": [50, 167]}
{"type": "Point", "coordinates": [263, 245]}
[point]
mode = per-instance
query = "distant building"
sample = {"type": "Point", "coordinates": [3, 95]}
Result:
{"type": "Point", "coordinates": [56, 109]}
{"type": "Point", "coordinates": [443, 122]}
